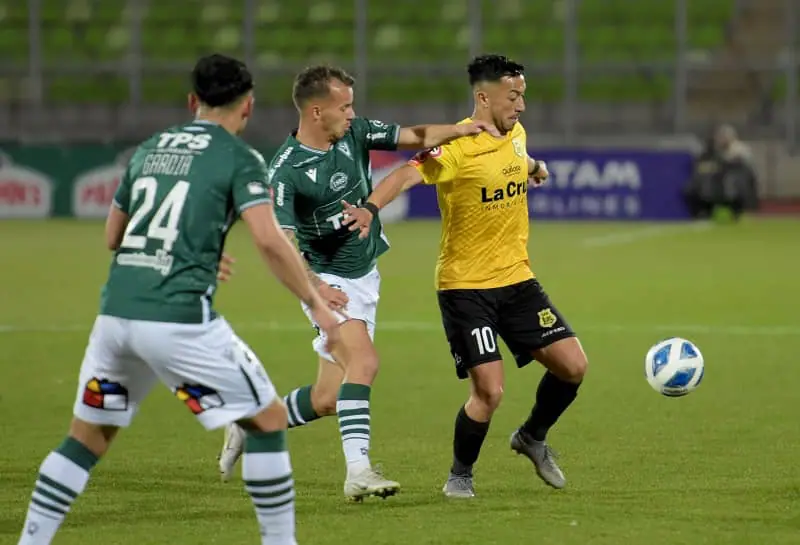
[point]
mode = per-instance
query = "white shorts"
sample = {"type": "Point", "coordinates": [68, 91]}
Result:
{"type": "Point", "coordinates": [205, 365]}
{"type": "Point", "coordinates": [363, 295]}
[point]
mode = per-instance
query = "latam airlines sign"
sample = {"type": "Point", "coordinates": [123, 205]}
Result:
{"type": "Point", "coordinates": [598, 184]}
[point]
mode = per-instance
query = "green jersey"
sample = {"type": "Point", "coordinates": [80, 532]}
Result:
{"type": "Point", "coordinates": [309, 186]}
{"type": "Point", "coordinates": [182, 189]}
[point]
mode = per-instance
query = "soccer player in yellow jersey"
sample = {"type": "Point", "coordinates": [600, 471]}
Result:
{"type": "Point", "coordinates": [484, 281]}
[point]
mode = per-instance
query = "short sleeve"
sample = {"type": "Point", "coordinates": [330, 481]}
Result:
{"type": "Point", "coordinates": [377, 135]}
{"type": "Point", "coordinates": [122, 197]}
{"type": "Point", "coordinates": [437, 165]}
{"type": "Point", "coordinates": [250, 181]}
{"type": "Point", "coordinates": [284, 190]}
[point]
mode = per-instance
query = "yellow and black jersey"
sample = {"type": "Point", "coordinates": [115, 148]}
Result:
{"type": "Point", "coordinates": [482, 189]}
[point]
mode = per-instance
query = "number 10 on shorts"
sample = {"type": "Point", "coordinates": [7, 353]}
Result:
{"type": "Point", "coordinates": [484, 338]}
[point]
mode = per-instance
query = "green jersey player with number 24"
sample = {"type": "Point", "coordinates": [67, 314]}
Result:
{"type": "Point", "coordinates": [326, 161]}
{"type": "Point", "coordinates": [180, 195]}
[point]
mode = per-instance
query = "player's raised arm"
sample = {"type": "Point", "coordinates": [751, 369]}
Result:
{"type": "Point", "coordinates": [399, 180]}
{"type": "Point", "coordinates": [430, 136]}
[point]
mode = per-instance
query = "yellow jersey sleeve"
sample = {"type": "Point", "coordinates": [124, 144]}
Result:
{"type": "Point", "coordinates": [438, 165]}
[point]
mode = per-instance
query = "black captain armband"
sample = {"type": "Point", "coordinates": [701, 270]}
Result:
{"type": "Point", "coordinates": [537, 166]}
{"type": "Point", "coordinates": [371, 207]}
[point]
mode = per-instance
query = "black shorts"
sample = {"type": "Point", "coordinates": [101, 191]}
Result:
{"type": "Point", "coordinates": [521, 314]}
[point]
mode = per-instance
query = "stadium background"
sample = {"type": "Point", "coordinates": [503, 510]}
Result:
{"type": "Point", "coordinates": [621, 94]}
{"type": "Point", "coordinates": [80, 80]}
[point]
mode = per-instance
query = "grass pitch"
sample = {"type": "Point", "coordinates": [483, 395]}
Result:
{"type": "Point", "coordinates": [716, 467]}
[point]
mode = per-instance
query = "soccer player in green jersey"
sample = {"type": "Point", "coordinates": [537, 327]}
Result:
{"type": "Point", "coordinates": [181, 192]}
{"type": "Point", "coordinates": [325, 161]}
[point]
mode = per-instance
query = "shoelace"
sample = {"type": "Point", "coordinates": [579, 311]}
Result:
{"type": "Point", "coordinates": [463, 482]}
{"type": "Point", "coordinates": [550, 455]}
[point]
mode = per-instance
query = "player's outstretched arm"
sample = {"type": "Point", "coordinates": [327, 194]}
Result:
{"type": "Point", "coordinates": [399, 180]}
{"type": "Point", "coordinates": [429, 136]}
{"type": "Point", "coordinates": [116, 223]}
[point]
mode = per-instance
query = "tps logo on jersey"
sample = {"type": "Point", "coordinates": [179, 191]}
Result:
{"type": "Point", "coordinates": [106, 395]}
{"type": "Point", "coordinates": [194, 142]}
{"type": "Point", "coordinates": [338, 181]}
{"type": "Point", "coordinates": [199, 398]}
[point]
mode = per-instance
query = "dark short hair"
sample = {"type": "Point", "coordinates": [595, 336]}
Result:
{"type": "Point", "coordinates": [314, 82]}
{"type": "Point", "coordinates": [492, 68]}
{"type": "Point", "coordinates": [218, 80]}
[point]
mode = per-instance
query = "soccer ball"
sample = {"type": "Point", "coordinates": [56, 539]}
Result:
{"type": "Point", "coordinates": [674, 367]}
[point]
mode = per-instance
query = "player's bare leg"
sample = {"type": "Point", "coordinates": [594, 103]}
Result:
{"type": "Point", "coordinates": [472, 425]}
{"type": "Point", "coordinates": [566, 365]}
{"type": "Point", "coordinates": [267, 474]}
{"type": "Point", "coordinates": [304, 405]}
{"type": "Point", "coordinates": [62, 477]}
{"type": "Point", "coordinates": [356, 351]}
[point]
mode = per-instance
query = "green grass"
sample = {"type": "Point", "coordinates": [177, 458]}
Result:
{"type": "Point", "coordinates": [716, 467]}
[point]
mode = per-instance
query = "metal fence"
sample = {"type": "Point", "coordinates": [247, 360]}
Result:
{"type": "Point", "coordinates": [118, 68]}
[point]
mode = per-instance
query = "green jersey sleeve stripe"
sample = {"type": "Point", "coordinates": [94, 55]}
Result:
{"type": "Point", "coordinates": [249, 204]}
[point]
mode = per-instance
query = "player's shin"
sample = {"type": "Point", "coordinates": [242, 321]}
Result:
{"type": "Point", "coordinates": [63, 475]}
{"type": "Point", "coordinates": [352, 408]}
{"type": "Point", "coordinates": [267, 474]}
{"type": "Point", "coordinates": [553, 396]}
{"type": "Point", "coordinates": [467, 442]}
{"type": "Point", "coordinates": [300, 408]}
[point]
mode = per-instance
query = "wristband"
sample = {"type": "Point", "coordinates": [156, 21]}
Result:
{"type": "Point", "coordinates": [371, 207]}
{"type": "Point", "coordinates": [537, 166]}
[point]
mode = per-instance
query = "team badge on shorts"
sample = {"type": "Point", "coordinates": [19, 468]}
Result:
{"type": "Point", "coordinates": [199, 398]}
{"type": "Point", "coordinates": [105, 395]}
{"type": "Point", "coordinates": [547, 318]}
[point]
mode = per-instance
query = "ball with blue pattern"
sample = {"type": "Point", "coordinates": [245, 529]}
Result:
{"type": "Point", "coordinates": [674, 367]}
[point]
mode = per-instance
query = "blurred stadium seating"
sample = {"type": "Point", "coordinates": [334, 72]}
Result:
{"type": "Point", "coordinates": [292, 33]}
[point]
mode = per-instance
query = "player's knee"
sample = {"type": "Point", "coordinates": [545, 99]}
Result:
{"type": "Point", "coordinates": [363, 368]}
{"type": "Point", "coordinates": [274, 417]}
{"type": "Point", "coordinates": [490, 396]}
{"type": "Point", "coordinates": [575, 368]}
{"type": "Point", "coordinates": [323, 400]}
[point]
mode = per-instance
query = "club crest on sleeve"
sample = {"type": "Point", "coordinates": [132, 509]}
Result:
{"type": "Point", "coordinates": [256, 188]}
{"type": "Point", "coordinates": [518, 147]}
